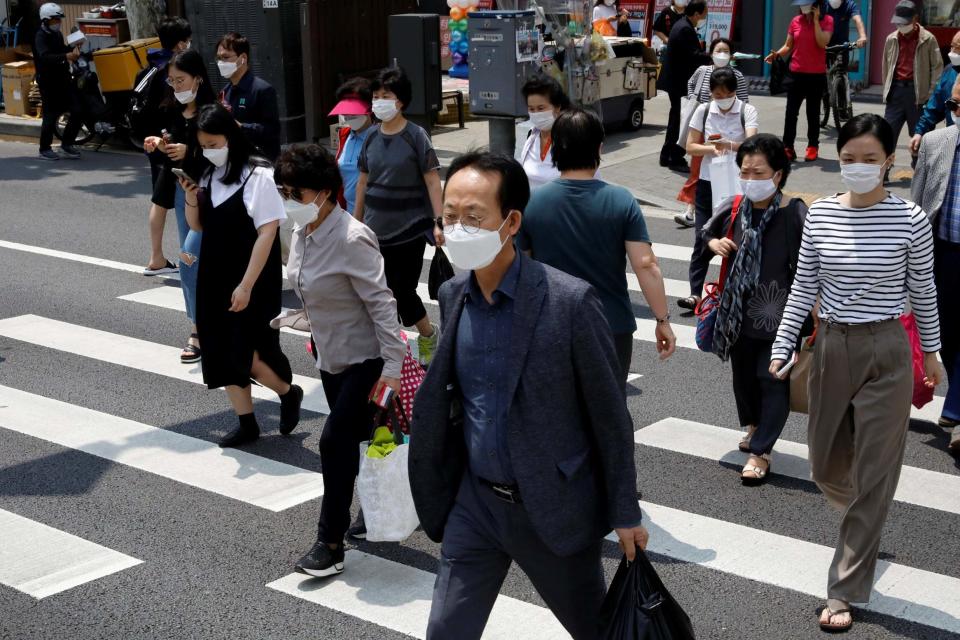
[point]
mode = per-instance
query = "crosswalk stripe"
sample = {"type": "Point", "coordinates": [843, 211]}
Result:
{"type": "Point", "coordinates": [41, 561]}
{"type": "Point", "coordinates": [134, 353]}
{"type": "Point", "coordinates": [921, 487]}
{"type": "Point", "coordinates": [232, 473]}
{"type": "Point", "coordinates": [904, 592]}
{"type": "Point", "coordinates": [398, 597]}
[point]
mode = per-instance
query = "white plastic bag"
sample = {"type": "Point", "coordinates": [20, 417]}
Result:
{"type": "Point", "coordinates": [688, 106]}
{"type": "Point", "coordinates": [724, 180]}
{"type": "Point", "coordinates": [384, 488]}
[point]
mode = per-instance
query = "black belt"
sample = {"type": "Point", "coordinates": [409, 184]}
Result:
{"type": "Point", "coordinates": [506, 492]}
{"type": "Point", "coordinates": [902, 83]}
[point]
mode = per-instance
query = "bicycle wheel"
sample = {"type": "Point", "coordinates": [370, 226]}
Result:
{"type": "Point", "coordinates": [83, 135]}
{"type": "Point", "coordinates": [841, 104]}
{"type": "Point", "coordinates": [825, 109]}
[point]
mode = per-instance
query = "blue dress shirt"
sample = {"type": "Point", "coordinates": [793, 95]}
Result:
{"type": "Point", "coordinates": [481, 361]}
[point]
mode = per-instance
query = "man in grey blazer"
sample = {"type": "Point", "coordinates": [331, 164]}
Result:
{"type": "Point", "coordinates": [521, 446]}
{"type": "Point", "coordinates": [936, 188]}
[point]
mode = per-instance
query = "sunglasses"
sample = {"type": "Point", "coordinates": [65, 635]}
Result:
{"type": "Point", "coordinates": [292, 194]}
{"type": "Point", "coordinates": [951, 105]}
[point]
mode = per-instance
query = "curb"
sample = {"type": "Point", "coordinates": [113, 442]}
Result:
{"type": "Point", "coordinates": [17, 126]}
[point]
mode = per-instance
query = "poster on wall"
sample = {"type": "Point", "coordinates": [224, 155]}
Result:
{"type": "Point", "coordinates": [528, 45]}
{"type": "Point", "coordinates": [637, 15]}
{"type": "Point", "coordinates": [719, 22]}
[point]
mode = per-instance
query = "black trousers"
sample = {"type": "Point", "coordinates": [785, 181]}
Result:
{"type": "Point", "coordinates": [623, 343]}
{"type": "Point", "coordinates": [700, 259]}
{"type": "Point", "coordinates": [902, 108]}
{"type": "Point", "coordinates": [55, 102]}
{"type": "Point", "coordinates": [762, 400]}
{"type": "Point", "coordinates": [947, 274]}
{"type": "Point", "coordinates": [350, 422]}
{"type": "Point", "coordinates": [671, 152]}
{"type": "Point", "coordinates": [809, 87]}
{"type": "Point", "coordinates": [483, 537]}
{"type": "Point", "coordinates": [403, 264]}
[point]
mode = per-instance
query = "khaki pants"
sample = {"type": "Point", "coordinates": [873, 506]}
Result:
{"type": "Point", "coordinates": [861, 386]}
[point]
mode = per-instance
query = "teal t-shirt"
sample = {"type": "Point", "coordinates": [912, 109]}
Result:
{"type": "Point", "coordinates": [580, 227]}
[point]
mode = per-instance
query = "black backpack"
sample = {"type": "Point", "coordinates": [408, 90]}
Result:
{"type": "Point", "coordinates": [149, 89]}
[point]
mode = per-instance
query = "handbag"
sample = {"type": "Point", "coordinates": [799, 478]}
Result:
{"type": "Point", "coordinates": [922, 394]}
{"type": "Point", "coordinates": [706, 310]}
{"type": "Point", "coordinates": [688, 105]}
{"type": "Point", "coordinates": [780, 76]}
{"type": "Point", "coordinates": [639, 607]}
{"type": "Point", "coordinates": [383, 482]}
{"type": "Point", "coordinates": [411, 376]}
{"type": "Point", "coordinates": [800, 375]}
{"type": "Point", "coordinates": [440, 271]}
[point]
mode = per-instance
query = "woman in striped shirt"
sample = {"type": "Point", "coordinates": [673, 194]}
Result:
{"type": "Point", "coordinates": [863, 254]}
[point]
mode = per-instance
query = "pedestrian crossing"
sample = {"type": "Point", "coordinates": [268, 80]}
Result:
{"type": "Point", "coordinates": [374, 589]}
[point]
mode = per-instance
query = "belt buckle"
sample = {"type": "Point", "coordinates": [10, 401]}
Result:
{"type": "Point", "coordinates": [507, 495]}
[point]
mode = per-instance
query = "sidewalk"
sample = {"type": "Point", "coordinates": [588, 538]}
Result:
{"type": "Point", "coordinates": [632, 159]}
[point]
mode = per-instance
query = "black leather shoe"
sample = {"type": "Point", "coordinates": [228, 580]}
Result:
{"type": "Point", "coordinates": [679, 167]}
{"type": "Point", "coordinates": [290, 409]}
{"type": "Point", "coordinates": [321, 561]}
{"type": "Point", "coordinates": [240, 436]}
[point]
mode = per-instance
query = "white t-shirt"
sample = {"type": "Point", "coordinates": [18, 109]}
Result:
{"type": "Point", "coordinates": [539, 172]}
{"type": "Point", "coordinates": [260, 196]}
{"type": "Point", "coordinates": [603, 12]}
{"type": "Point", "coordinates": [728, 125]}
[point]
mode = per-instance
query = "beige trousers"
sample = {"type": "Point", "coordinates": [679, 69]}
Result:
{"type": "Point", "coordinates": [861, 386]}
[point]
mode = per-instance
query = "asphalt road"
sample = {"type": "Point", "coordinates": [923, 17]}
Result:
{"type": "Point", "coordinates": [207, 558]}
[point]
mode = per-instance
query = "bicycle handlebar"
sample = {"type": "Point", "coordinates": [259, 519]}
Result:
{"type": "Point", "coordinates": [844, 46]}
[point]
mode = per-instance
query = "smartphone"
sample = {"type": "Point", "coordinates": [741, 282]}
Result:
{"type": "Point", "coordinates": [180, 173]}
{"type": "Point", "coordinates": [786, 368]}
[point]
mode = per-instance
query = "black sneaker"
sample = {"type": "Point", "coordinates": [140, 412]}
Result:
{"type": "Point", "coordinates": [290, 409]}
{"type": "Point", "coordinates": [240, 436]}
{"type": "Point", "coordinates": [70, 152]}
{"type": "Point", "coordinates": [358, 530]}
{"type": "Point", "coordinates": [49, 154]}
{"type": "Point", "coordinates": [321, 561]}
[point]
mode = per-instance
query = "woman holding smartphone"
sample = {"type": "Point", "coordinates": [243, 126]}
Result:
{"type": "Point", "coordinates": [189, 89]}
{"type": "Point", "coordinates": [239, 280]}
{"type": "Point", "coordinates": [716, 128]}
{"type": "Point", "coordinates": [864, 254]}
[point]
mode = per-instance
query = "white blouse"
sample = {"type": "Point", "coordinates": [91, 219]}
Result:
{"type": "Point", "coordinates": [260, 196]}
{"type": "Point", "coordinates": [539, 172]}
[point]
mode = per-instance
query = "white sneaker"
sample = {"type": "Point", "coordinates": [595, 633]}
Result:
{"type": "Point", "coordinates": [686, 219]}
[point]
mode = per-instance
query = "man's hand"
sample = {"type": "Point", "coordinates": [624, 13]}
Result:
{"type": "Point", "coordinates": [630, 539]}
{"type": "Point", "coordinates": [74, 55]}
{"type": "Point", "coordinates": [861, 43]}
{"type": "Point", "coordinates": [666, 341]}
{"type": "Point", "coordinates": [438, 235]}
{"type": "Point", "coordinates": [915, 144]}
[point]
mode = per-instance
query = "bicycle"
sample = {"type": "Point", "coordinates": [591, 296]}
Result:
{"type": "Point", "coordinates": [837, 95]}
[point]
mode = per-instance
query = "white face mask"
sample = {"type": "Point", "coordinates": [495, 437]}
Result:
{"type": "Point", "coordinates": [227, 69]}
{"type": "Point", "coordinates": [726, 103]}
{"type": "Point", "coordinates": [806, 8]}
{"type": "Point", "coordinates": [758, 190]}
{"type": "Point", "coordinates": [542, 120]}
{"type": "Point", "coordinates": [355, 122]}
{"type": "Point", "coordinates": [954, 58]}
{"type": "Point", "coordinates": [860, 177]}
{"type": "Point", "coordinates": [472, 250]}
{"type": "Point", "coordinates": [721, 59]}
{"type": "Point", "coordinates": [217, 157]}
{"type": "Point", "coordinates": [385, 110]}
{"type": "Point", "coordinates": [300, 213]}
{"type": "Point", "coordinates": [185, 97]}
{"type": "Point", "coordinates": [836, 3]}
{"type": "Point", "coordinates": [609, 3]}
{"type": "Point", "coordinates": [680, 4]}
{"type": "Point", "coordinates": [905, 29]}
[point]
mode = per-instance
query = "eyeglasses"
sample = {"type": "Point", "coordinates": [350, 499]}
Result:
{"type": "Point", "coordinates": [471, 223]}
{"type": "Point", "coordinates": [179, 82]}
{"type": "Point", "coordinates": [294, 194]}
{"type": "Point", "coordinates": [951, 105]}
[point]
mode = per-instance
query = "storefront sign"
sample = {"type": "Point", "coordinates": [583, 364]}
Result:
{"type": "Point", "coordinates": [719, 20]}
{"type": "Point", "coordinates": [638, 17]}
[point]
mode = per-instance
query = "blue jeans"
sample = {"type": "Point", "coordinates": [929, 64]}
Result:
{"type": "Point", "coordinates": [189, 243]}
{"type": "Point", "coordinates": [947, 274]}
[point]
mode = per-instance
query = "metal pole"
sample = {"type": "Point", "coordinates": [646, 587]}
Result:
{"type": "Point", "coordinates": [503, 136]}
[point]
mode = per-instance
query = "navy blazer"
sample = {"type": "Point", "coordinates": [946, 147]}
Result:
{"type": "Point", "coordinates": [569, 432]}
{"type": "Point", "coordinates": [253, 101]}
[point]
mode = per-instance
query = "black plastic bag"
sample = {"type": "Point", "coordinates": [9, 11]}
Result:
{"type": "Point", "coordinates": [780, 76]}
{"type": "Point", "coordinates": [639, 607]}
{"type": "Point", "coordinates": [440, 272]}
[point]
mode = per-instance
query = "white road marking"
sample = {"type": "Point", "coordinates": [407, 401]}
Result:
{"type": "Point", "coordinates": [904, 592]}
{"type": "Point", "coordinates": [398, 597]}
{"type": "Point", "coordinates": [917, 486]}
{"type": "Point", "coordinates": [134, 353]}
{"type": "Point", "coordinates": [41, 561]}
{"type": "Point", "coordinates": [232, 473]}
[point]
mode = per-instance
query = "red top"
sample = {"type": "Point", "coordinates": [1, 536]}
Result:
{"type": "Point", "coordinates": [908, 51]}
{"type": "Point", "coordinates": [808, 56]}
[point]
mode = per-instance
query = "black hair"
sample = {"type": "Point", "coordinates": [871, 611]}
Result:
{"type": "Point", "coordinates": [191, 63]}
{"type": "Point", "coordinates": [543, 85]}
{"type": "Point", "coordinates": [235, 42]}
{"type": "Point", "coordinates": [309, 166]}
{"type": "Point", "coordinates": [577, 135]}
{"type": "Point", "coordinates": [514, 192]}
{"type": "Point", "coordinates": [695, 7]}
{"type": "Point", "coordinates": [173, 31]}
{"type": "Point", "coordinates": [358, 86]}
{"type": "Point", "coordinates": [394, 80]}
{"type": "Point", "coordinates": [867, 124]}
{"type": "Point", "coordinates": [772, 149]}
{"type": "Point", "coordinates": [725, 78]}
{"type": "Point", "coordinates": [726, 41]}
{"type": "Point", "coordinates": [214, 119]}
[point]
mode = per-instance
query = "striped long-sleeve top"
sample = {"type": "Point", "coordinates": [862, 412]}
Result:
{"type": "Point", "coordinates": [863, 263]}
{"type": "Point", "coordinates": [698, 86]}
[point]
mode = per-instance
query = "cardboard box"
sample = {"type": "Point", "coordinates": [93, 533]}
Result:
{"type": "Point", "coordinates": [17, 78]}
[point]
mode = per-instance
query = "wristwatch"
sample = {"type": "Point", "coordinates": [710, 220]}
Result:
{"type": "Point", "coordinates": [665, 319]}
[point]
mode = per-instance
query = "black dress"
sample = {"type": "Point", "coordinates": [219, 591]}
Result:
{"type": "Point", "coordinates": [230, 339]}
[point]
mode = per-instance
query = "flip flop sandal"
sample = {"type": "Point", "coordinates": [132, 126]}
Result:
{"type": "Point", "coordinates": [835, 628]}
{"type": "Point", "coordinates": [191, 353]}
{"type": "Point", "coordinates": [759, 473]}
{"type": "Point", "coordinates": [745, 441]}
